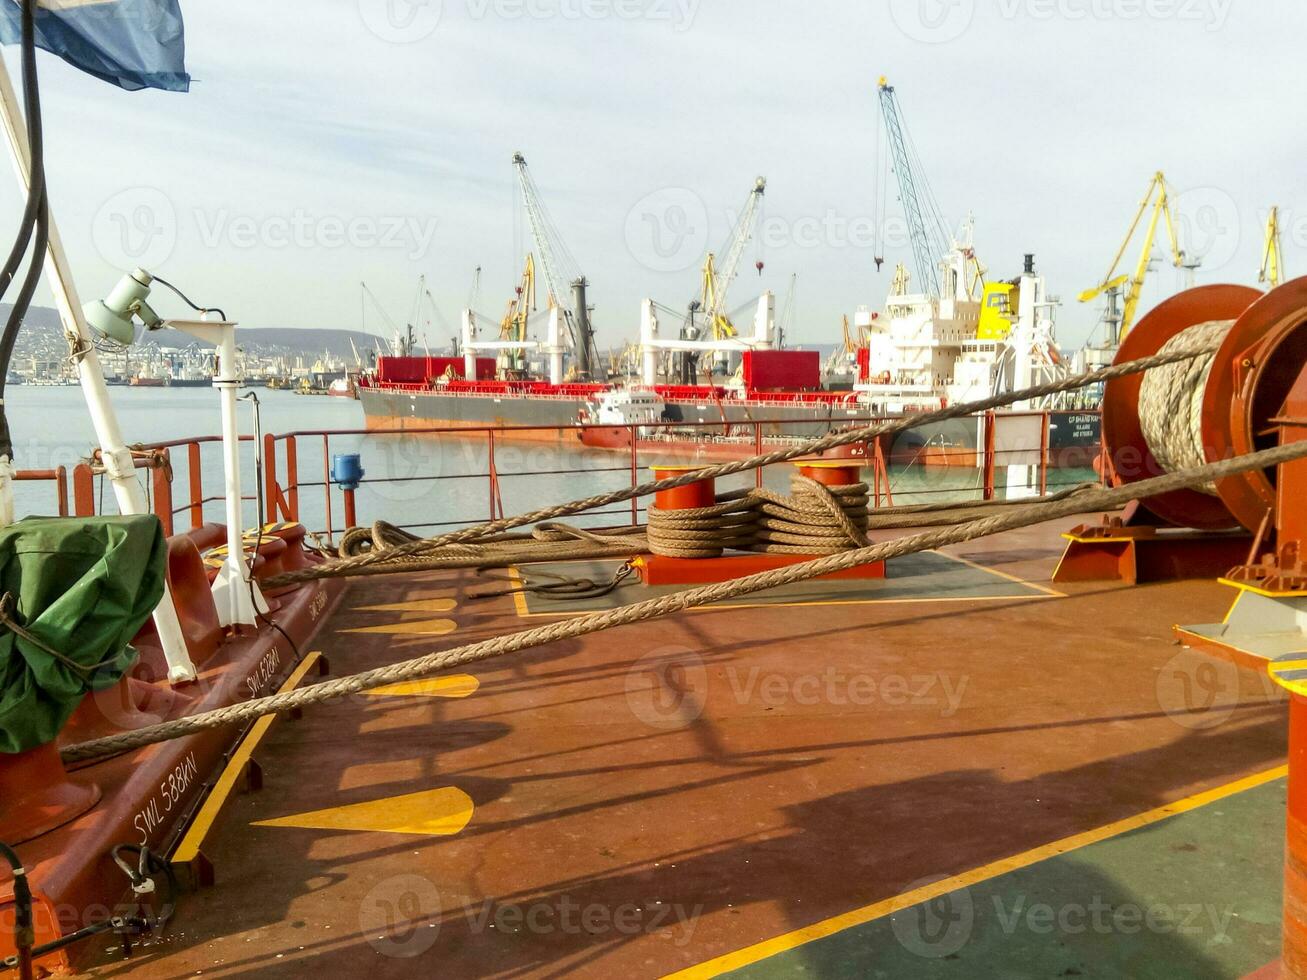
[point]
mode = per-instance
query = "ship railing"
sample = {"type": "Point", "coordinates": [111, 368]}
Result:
{"type": "Point", "coordinates": [496, 471]}
{"type": "Point", "coordinates": [435, 478]}
{"type": "Point", "coordinates": [58, 476]}
{"type": "Point", "coordinates": [428, 483]}
{"type": "Point", "coordinates": [155, 459]}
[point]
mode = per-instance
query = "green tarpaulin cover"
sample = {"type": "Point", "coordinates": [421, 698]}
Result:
{"type": "Point", "coordinates": [82, 587]}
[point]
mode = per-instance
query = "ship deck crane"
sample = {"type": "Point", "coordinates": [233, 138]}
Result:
{"type": "Point", "coordinates": [1159, 198]}
{"type": "Point", "coordinates": [565, 286]}
{"type": "Point", "coordinates": [1272, 258]}
{"type": "Point", "coordinates": [926, 226]}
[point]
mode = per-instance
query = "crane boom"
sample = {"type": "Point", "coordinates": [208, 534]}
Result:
{"type": "Point", "coordinates": [1135, 283]}
{"type": "Point", "coordinates": [1272, 260]}
{"type": "Point", "coordinates": [734, 248]}
{"type": "Point", "coordinates": [925, 221]}
{"type": "Point", "coordinates": [556, 265]}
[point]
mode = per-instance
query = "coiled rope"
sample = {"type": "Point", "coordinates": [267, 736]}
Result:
{"type": "Point", "coordinates": [377, 561]}
{"type": "Point", "coordinates": [1005, 520]}
{"type": "Point", "coordinates": [1171, 400]}
{"type": "Point", "coordinates": [813, 520]}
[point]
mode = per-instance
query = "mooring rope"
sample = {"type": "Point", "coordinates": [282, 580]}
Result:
{"type": "Point", "coordinates": [1005, 520]}
{"type": "Point", "coordinates": [360, 564]}
{"type": "Point", "coordinates": [814, 520]}
{"type": "Point", "coordinates": [1171, 400]}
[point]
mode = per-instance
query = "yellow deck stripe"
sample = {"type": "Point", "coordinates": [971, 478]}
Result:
{"type": "Point", "coordinates": [415, 627]}
{"type": "Point", "coordinates": [437, 605]}
{"type": "Point", "coordinates": [1010, 577]}
{"type": "Point", "coordinates": [829, 927]}
{"type": "Point", "coordinates": [189, 847]}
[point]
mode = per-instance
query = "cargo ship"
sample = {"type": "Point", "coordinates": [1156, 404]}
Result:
{"type": "Point", "coordinates": [930, 353]}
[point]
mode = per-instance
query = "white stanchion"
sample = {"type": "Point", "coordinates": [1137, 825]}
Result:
{"type": "Point", "coordinates": [118, 464]}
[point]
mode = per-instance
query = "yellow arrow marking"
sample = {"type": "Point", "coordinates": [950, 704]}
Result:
{"type": "Point", "coordinates": [417, 605]}
{"type": "Point", "coordinates": [434, 813]}
{"type": "Point", "coordinates": [419, 627]}
{"type": "Point", "coordinates": [453, 686]}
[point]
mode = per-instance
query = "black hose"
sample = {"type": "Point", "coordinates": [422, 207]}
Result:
{"type": "Point", "coordinates": [36, 188]}
{"type": "Point", "coordinates": [24, 924]}
{"type": "Point", "coordinates": [38, 205]}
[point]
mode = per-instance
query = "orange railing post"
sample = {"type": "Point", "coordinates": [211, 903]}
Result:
{"type": "Point", "coordinates": [83, 490]}
{"type": "Point", "coordinates": [292, 479]}
{"type": "Point", "coordinates": [195, 482]}
{"type": "Point", "coordinates": [635, 475]}
{"type": "Point", "coordinates": [990, 462]}
{"type": "Point", "coordinates": [162, 478]}
{"type": "Point", "coordinates": [1044, 456]}
{"type": "Point", "coordinates": [61, 490]}
{"type": "Point", "coordinates": [270, 491]}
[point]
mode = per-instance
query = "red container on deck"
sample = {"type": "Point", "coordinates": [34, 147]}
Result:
{"type": "Point", "coordinates": [783, 370]}
{"type": "Point", "coordinates": [701, 493]}
{"type": "Point", "coordinates": [416, 370]}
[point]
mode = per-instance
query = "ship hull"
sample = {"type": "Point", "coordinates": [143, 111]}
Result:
{"type": "Point", "coordinates": [713, 430]}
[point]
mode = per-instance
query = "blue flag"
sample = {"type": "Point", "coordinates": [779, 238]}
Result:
{"type": "Point", "coordinates": [134, 44]}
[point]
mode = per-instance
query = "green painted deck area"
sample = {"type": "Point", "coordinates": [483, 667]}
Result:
{"type": "Point", "coordinates": [1196, 895]}
{"type": "Point", "coordinates": [928, 576]}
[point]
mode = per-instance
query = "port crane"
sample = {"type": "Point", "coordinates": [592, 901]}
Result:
{"type": "Point", "coordinates": [1121, 319]}
{"type": "Point", "coordinates": [926, 226]}
{"type": "Point", "coordinates": [1272, 259]}
{"type": "Point", "coordinates": [565, 286]}
{"type": "Point", "coordinates": [401, 343]}
{"type": "Point", "coordinates": [513, 327]}
{"type": "Point", "coordinates": [716, 280]}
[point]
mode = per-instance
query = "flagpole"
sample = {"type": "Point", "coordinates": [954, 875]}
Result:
{"type": "Point", "coordinates": [117, 458]}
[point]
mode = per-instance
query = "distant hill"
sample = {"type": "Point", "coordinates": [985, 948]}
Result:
{"type": "Point", "coordinates": [42, 323]}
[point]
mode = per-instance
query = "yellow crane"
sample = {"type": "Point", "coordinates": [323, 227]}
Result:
{"type": "Point", "coordinates": [1159, 197]}
{"type": "Point", "coordinates": [1272, 261]}
{"type": "Point", "coordinates": [514, 324]}
{"type": "Point", "coordinates": [710, 301]}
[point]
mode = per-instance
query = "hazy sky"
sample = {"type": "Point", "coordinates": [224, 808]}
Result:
{"type": "Point", "coordinates": [328, 142]}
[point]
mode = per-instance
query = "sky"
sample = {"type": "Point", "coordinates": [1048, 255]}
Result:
{"type": "Point", "coordinates": [328, 143]}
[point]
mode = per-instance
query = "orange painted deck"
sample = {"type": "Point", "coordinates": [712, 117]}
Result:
{"type": "Point", "coordinates": [641, 801]}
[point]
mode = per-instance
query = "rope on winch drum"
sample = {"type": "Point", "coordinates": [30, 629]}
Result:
{"type": "Point", "coordinates": [1006, 520]}
{"type": "Point", "coordinates": [1171, 401]}
{"type": "Point", "coordinates": [359, 564]}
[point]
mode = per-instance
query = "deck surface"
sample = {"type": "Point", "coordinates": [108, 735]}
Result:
{"type": "Point", "coordinates": [650, 799]}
